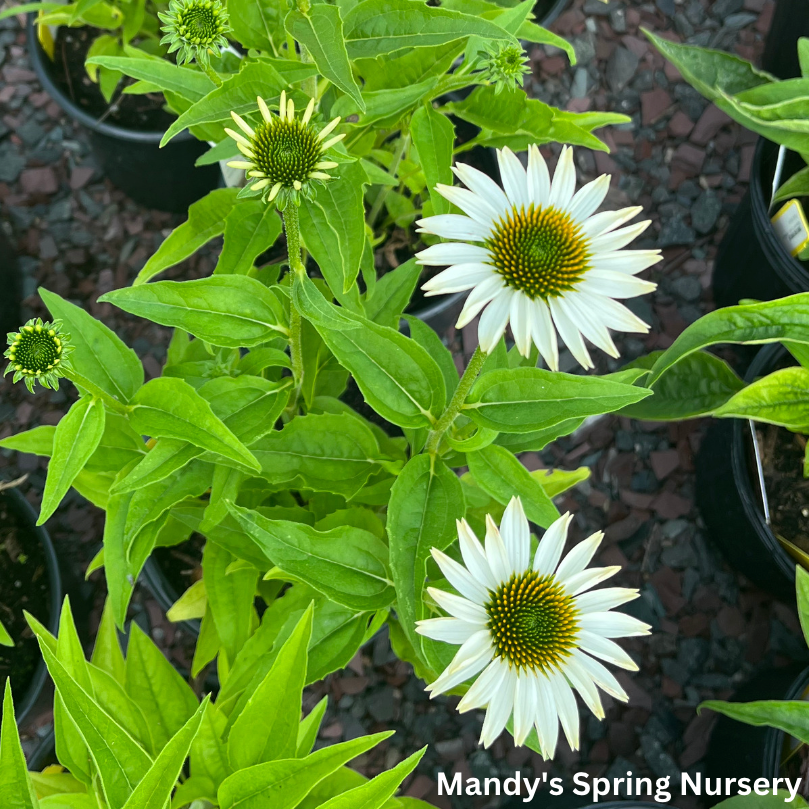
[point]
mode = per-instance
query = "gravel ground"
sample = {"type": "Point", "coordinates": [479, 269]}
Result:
{"type": "Point", "coordinates": [680, 159]}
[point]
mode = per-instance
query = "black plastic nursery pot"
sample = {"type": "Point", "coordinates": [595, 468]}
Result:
{"type": "Point", "coordinates": [547, 12]}
{"type": "Point", "coordinates": [730, 503]}
{"type": "Point", "coordinates": [790, 22]}
{"type": "Point", "coordinates": [10, 283]}
{"type": "Point", "coordinates": [165, 179]}
{"type": "Point", "coordinates": [738, 750]}
{"type": "Point", "coordinates": [751, 261]}
{"type": "Point", "coordinates": [31, 581]}
{"type": "Point", "coordinates": [164, 592]}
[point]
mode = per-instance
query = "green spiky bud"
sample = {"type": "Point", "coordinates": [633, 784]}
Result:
{"type": "Point", "coordinates": [195, 29]}
{"type": "Point", "coordinates": [38, 352]}
{"type": "Point", "coordinates": [505, 66]}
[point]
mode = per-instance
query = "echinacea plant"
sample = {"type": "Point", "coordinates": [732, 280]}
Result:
{"type": "Point", "coordinates": [132, 734]}
{"type": "Point", "coordinates": [38, 352]}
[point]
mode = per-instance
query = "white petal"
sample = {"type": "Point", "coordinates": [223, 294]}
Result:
{"type": "Point", "coordinates": [454, 226]}
{"type": "Point", "coordinates": [628, 261]}
{"type": "Point", "coordinates": [471, 204]}
{"type": "Point", "coordinates": [566, 706]}
{"type": "Point", "coordinates": [243, 125]}
{"type": "Point", "coordinates": [608, 220]}
{"type": "Point", "coordinates": [264, 109]}
{"type": "Point", "coordinates": [440, 255]}
{"type": "Point", "coordinates": [460, 578]}
{"type": "Point", "coordinates": [614, 284]}
{"type": "Point", "coordinates": [605, 649]}
{"type": "Point", "coordinates": [525, 706]}
{"type": "Point", "coordinates": [516, 534]}
{"type": "Point", "coordinates": [581, 680]}
{"type": "Point", "coordinates": [587, 199]}
{"type": "Point", "coordinates": [474, 556]}
{"type": "Point", "coordinates": [447, 630]}
{"type": "Point", "coordinates": [616, 315]}
{"type": "Point", "coordinates": [539, 180]}
{"type": "Point", "coordinates": [480, 693]}
{"type": "Point", "coordinates": [544, 334]}
{"type": "Point", "coordinates": [617, 239]}
{"type": "Point", "coordinates": [551, 546]}
{"type": "Point", "coordinates": [605, 599]}
{"type": "Point", "coordinates": [570, 334]}
{"type": "Point", "coordinates": [499, 710]}
{"type": "Point", "coordinates": [494, 320]}
{"type": "Point", "coordinates": [328, 128]}
{"type": "Point", "coordinates": [613, 624]}
{"type": "Point", "coordinates": [459, 607]}
{"type": "Point", "coordinates": [520, 316]}
{"type": "Point", "coordinates": [547, 719]}
{"type": "Point", "coordinates": [457, 278]}
{"type": "Point", "coordinates": [588, 320]}
{"type": "Point", "coordinates": [564, 180]}
{"type": "Point", "coordinates": [238, 137]}
{"type": "Point", "coordinates": [484, 292]}
{"type": "Point", "coordinates": [496, 554]}
{"type": "Point", "coordinates": [579, 557]}
{"type": "Point", "coordinates": [484, 187]}
{"type": "Point", "coordinates": [601, 675]}
{"type": "Point", "coordinates": [513, 177]}
{"type": "Point", "coordinates": [589, 578]}
{"type": "Point", "coordinates": [473, 656]}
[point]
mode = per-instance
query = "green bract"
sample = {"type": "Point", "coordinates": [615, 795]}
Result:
{"type": "Point", "coordinates": [38, 352]}
{"type": "Point", "coordinates": [125, 728]}
{"type": "Point", "coordinates": [505, 66]}
{"type": "Point", "coordinates": [195, 29]}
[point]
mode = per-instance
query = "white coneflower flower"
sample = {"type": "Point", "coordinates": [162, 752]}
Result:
{"type": "Point", "coordinates": [543, 258]}
{"type": "Point", "coordinates": [284, 154]}
{"type": "Point", "coordinates": [529, 629]}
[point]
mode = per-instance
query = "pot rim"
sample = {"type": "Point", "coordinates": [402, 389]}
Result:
{"type": "Point", "coordinates": [24, 508]}
{"type": "Point", "coordinates": [38, 62]}
{"type": "Point", "coordinates": [763, 363]}
{"type": "Point", "coordinates": [554, 11]}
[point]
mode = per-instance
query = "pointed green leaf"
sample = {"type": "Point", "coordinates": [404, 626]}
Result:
{"type": "Point", "coordinates": [15, 785]}
{"type": "Point", "coordinates": [309, 727]}
{"type": "Point", "coordinates": [434, 137]}
{"type": "Point", "coordinates": [250, 228]}
{"type": "Point", "coordinates": [38, 441]}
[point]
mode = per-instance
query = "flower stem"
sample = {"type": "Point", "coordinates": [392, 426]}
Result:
{"type": "Point", "coordinates": [458, 398]}
{"type": "Point", "coordinates": [211, 74]}
{"type": "Point", "coordinates": [292, 229]}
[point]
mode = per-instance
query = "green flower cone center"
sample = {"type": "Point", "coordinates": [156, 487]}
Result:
{"type": "Point", "coordinates": [533, 622]}
{"type": "Point", "coordinates": [200, 24]}
{"type": "Point", "coordinates": [540, 251]}
{"type": "Point", "coordinates": [286, 151]}
{"type": "Point", "coordinates": [36, 352]}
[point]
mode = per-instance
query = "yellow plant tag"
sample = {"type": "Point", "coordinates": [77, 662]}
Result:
{"type": "Point", "coordinates": [791, 227]}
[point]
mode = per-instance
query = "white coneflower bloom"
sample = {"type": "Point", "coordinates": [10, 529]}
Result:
{"type": "Point", "coordinates": [541, 258]}
{"type": "Point", "coordinates": [284, 153]}
{"type": "Point", "coordinates": [529, 629]}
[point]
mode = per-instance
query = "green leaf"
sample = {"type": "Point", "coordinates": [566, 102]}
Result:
{"type": "Point", "coordinates": [76, 438]}
{"type": "Point", "coordinates": [754, 801]}
{"type": "Point", "coordinates": [333, 225]}
{"type": "Point", "coordinates": [376, 792]}
{"type": "Point", "coordinates": [258, 23]}
{"type": "Point", "coordinates": [427, 338]}
{"type": "Point", "coordinates": [392, 293]}
{"type": "Point", "coordinates": [120, 760]}
{"type": "Point", "coordinates": [397, 377]}
{"type": "Point", "coordinates": [324, 453]}
{"type": "Point", "coordinates": [802, 590]}
{"type": "Point", "coordinates": [232, 311]}
{"type": "Point", "coordinates": [107, 654]}
{"type": "Point", "coordinates": [283, 784]}
{"type": "Point", "coordinates": [522, 400]}
{"type": "Point", "coordinates": [434, 137]}
{"type": "Point", "coordinates": [230, 597]}
{"type": "Point", "coordinates": [709, 71]}
{"type": "Point", "coordinates": [320, 30]}
{"type": "Point", "coordinates": [5, 638]}
{"type": "Point", "coordinates": [166, 700]}
{"type": "Point", "coordinates": [37, 441]}
{"type": "Point", "coordinates": [166, 457]}
{"type": "Point", "coordinates": [237, 94]}
{"type": "Point", "coordinates": [337, 636]}
{"type": "Point", "coordinates": [101, 359]}
{"type": "Point", "coordinates": [557, 481]}
{"type": "Point", "coordinates": [267, 727]}
{"type": "Point", "coordinates": [190, 84]}
{"type": "Point", "coordinates": [157, 785]}
{"type": "Point", "coordinates": [386, 106]}
{"type": "Point", "coordinates": [119, 445]}
{"type": "Point", "coordinates": [375, 27]}
{"type": "Point", "coordinates": [407, 67]}
{"type": "Point", "coordinates": [15, 785]}
{"type": "Point", "coordinates": [257, 360]}
{"type": "Point", "coordinates": [206, 220]}
{"type": "Point", "coordinates": [791, 716]}
{"type": "Point", "coordinates": [695, 386]}
{"type": "Point", "coordinates": [170, 407]}
{"type": "Point", "coordinates": [309, 727]}
{"type": "Point", "coordinates": [780, 398]}
{"type": "Point", "coordinates": [502, 477]}
{"type": "Point", "coordinates": [251, 228]}
{"type": "Point", "coordinates": [785, 319]}
{"type": "Point", "coordinates": [425, 502]}
{"type": "Point", "coordinates": [348, 565]}
{"type": "Point", "coordinates": [796, 186]}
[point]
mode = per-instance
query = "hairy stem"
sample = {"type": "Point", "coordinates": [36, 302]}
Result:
{"type": "Point", "coordinates": [458, 398]}
{"type": "Point", "coordinates": [211, 73]}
